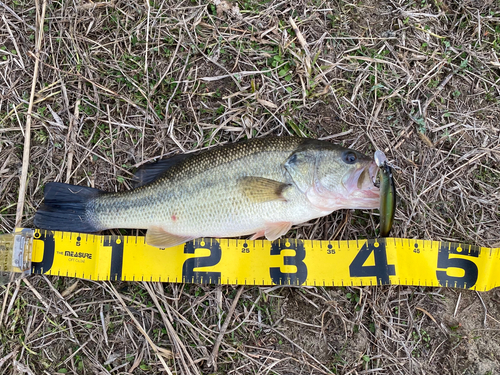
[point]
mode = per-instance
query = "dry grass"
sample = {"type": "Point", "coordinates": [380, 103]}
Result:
{"type": "Point", "coordinates": [121, 83]}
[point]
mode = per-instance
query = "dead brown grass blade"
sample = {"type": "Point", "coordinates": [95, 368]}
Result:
{"type": "Point", "coordinates": [27, 128]}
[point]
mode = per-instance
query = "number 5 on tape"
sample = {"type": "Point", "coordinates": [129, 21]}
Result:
{"type": "Point", "coordinates": [453, 257]}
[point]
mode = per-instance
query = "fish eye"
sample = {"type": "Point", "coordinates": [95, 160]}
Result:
{"type": "Point", "coordinates": [349, 157]}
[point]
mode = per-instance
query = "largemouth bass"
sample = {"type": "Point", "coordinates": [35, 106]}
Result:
{"type": "Point", "coordinates": [259, 186]}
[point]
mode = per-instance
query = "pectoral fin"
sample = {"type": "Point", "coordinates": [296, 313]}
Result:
{"type": "Point", "coordinates": [158, 237]}
{"type": "Point", "coordinates": [259, 189]}
{"type": "Point", "coordinates": [276, 230]}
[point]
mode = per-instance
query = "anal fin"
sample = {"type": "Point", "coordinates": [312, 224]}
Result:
{"type": "Point", "coordinates": [274, 231]}
{"type": "Point", "coordinates": [159, 237]}
{"type": "Point", "coordinates": [257, 235]}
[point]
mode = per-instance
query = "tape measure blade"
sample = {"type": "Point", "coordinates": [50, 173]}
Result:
{"type": "Point", "coordinates": [284, 262]}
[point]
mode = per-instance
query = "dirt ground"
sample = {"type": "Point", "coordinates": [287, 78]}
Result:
{"type": "Point", "coordinates": [107, 86]}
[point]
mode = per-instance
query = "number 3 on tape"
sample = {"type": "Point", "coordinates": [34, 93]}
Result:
{"type": "Point", "coordinates": [297, 260]}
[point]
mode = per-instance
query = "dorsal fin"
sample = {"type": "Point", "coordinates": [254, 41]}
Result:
{"type": "Point", "coordinates": [150, 172]}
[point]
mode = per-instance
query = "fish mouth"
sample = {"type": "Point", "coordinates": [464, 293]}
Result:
{"type": "Point", "coordinates": [373, 173]}
{"type": "Point", "coordinates": [364, 179]}
{"type": "Point", "coordinates": [361, 188]}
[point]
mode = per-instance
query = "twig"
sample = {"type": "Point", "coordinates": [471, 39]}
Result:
{"type": "Point", "coordinates": [14, 41]}
{"type": "Point", "coordinates": [41, 299]}
{"type": "Point", "coordinates": [111, 141]}
{"type": "Point", "coordinates": [239, 75]}
{"type": "Point", "coordinates": [146, 49]}
{"type": "Point", "coordinates": [71, 137]}
{"type": "Point", "coordinates": [215, 351]}
{"type": "Point", "coordinates": [103, 323]}
{"type": "Point", "coordinates": [437, 91]}
{"type": "Point", "coordinates": [22, 368]}
{"type": "Point", "coordinates": [179, 345]}
{"type": "Point", "coordinates": [27, 132]}
{"type": "Point", "coordinates": [94, 5]}
{"type": "Point", "coordinates": [12, 299]}
{"type": "Point", "coordinates": [300, 37]}
{"type": "Point", "coordinates": [484, 307]}
{"type": "Point", "coordinates": [61, 298]}
{"type": "Point", "coordinates": [8, 9]}
{"type": "Point", "coordinates": [458, 303]}
{"type": "Point", "coordinates": [5, 358]}
{"type": "Point", "coordinates": [160, 352]}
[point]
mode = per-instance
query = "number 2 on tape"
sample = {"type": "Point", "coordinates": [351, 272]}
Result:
{"type": "Point", "coordinates": [188, 272]}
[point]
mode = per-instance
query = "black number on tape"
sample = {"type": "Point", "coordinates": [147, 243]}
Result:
{"type": "Point", "coordinates": [469, 279]}
{"type": "Point", "coordinates": [289, 278]}
{"type": "Point", "coordinates": [330, 250]}
{"type": "Point", "coordinates": [116, 244]}
{"type": "Point", "coordinates": [200, 277]}
{"type": "Point", "coordinates": [49, 245]}
{"type": "Point", "coordinates": [245, 249]}
{"type": "Point", "coordinates": [381, 270]}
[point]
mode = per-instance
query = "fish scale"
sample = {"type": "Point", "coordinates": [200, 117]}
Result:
{"type": "Point", "coordinates": [203, 193]}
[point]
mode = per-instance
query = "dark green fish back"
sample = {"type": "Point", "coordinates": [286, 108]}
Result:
{"type": "Point", "coordinates": [229, 153]}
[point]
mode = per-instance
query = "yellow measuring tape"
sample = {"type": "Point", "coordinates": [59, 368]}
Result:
{"type": "Point", "coordinates": [260, 262]}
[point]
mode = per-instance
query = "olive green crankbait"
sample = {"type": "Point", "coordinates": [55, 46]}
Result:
{"type": "Point", "coordinates": [387, 194]}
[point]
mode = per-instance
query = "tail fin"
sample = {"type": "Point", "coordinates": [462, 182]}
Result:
{"type": "Point", "coordinates": [65, 208]}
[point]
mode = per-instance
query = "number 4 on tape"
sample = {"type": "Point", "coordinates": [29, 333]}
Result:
{"type": "Point", "coordinates": [381, 270]}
